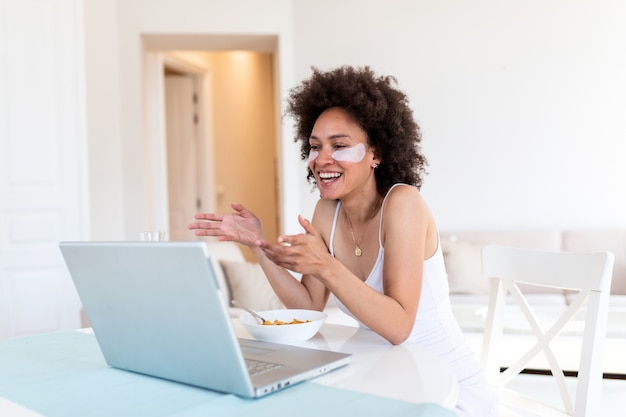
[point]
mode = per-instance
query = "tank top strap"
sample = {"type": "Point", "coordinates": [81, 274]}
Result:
{"type": "Point", "coordinates": [332, 229]}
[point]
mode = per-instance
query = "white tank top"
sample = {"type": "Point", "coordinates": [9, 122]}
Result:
{"type": "Point", "coordinates": [434, 312]}
{"type": "Point", "coordinates": [436, 328]}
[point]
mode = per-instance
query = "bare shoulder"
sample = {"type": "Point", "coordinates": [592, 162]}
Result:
{"type": "Point", "coordinates": [404, 198]}
{"type": "Point", "coordinates": [406, 214]}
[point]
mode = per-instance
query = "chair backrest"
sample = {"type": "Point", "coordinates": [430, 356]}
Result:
{"type": "Point", "coordinates": [589, 275]}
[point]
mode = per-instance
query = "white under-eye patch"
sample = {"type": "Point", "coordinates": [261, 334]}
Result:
{"type": "Point", "coordinates": [353, 154]}
{"type": "Point", "coordinates": [313, 156]}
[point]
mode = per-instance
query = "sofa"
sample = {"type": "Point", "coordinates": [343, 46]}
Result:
{"type": "Point", "coordinates": [461, 251]}
{"type": "Point", "coordinates": [469, 289]}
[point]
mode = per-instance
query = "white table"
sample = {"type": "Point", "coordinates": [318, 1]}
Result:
{"type": "Point", "coordinates": [403, 372]}
{"type": "Point", "coordinates": [64, 374]}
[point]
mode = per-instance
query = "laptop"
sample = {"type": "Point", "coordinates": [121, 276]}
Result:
{"type": "Point", "coordinates": [156, 309]}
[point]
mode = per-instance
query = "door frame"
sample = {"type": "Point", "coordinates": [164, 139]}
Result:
{"type": "Point", "coordinates": [156, 211]}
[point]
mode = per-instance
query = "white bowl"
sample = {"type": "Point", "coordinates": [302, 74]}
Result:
{"type": "Point", "coordinates": [284, 333]}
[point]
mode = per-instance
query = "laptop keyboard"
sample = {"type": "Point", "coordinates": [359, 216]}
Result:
{"type": "Point", "coordinates": [256, 367]}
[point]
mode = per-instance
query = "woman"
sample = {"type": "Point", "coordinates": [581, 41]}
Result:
{"type": "Point", "coordinates": [372, 242]}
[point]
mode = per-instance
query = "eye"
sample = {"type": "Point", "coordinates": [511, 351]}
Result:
{"type": "Point", "coordinates": [314, 147]}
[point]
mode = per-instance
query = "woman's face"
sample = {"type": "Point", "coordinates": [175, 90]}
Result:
{"type": "Point", "coordinates": [340, 157]}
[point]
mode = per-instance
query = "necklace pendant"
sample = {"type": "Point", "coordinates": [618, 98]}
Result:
{"type": "Point", "coordinates": [358, 251]}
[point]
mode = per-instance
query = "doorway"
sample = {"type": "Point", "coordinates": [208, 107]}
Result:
{"type": "Point", "coordinates": [221, 139]}
{"type": "Point", "coordinates": [182, 137]}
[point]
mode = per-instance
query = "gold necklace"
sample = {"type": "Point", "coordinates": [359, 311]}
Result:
{"type": "Point", "coordinates": [357, 245]}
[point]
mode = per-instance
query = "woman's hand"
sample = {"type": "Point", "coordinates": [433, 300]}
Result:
{"type": "Point", "coordinates": [242, 226]}
{"type": "Point", "coordinates": [305, 253]}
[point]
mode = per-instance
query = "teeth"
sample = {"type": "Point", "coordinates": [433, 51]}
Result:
{"type": "Point", "coordinates": [329, 175]}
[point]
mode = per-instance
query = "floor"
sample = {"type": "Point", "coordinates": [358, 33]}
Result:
{"type": "Point", "coordinates": [540, 386]}
{"type": "Point", "coordinates": [613, 392]}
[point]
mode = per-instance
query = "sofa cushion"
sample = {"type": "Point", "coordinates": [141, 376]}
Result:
{"type": "Point", "coordinates": [538, 239]}
{"type": "Point", "coordinates": [464, 267]}
{"type": "Point", "coordinates": [223, 251]}
{"type": "Point", "coordinates": [463, 260]}
{"type": "Point", "coordinates": [248, 285]}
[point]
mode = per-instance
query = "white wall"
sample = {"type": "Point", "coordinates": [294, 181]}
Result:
{"type": "Point", "coordinates": [43, 147]}
{"type": "Point", "coordinates": [104, 95]}
{"type": "Point", "coordinates": [116, 28]}
{"type": "Point", "coordinates": [522, 103]}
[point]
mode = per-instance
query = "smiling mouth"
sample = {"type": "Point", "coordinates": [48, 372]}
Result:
{"type": "Point", "coordinates": [329, 176]}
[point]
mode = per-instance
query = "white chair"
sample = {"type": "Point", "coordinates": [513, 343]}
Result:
{"type": "Point", "coordinates": [588, 274]}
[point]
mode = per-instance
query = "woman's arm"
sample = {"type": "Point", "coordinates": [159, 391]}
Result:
{"type": "Point", "coordinates": [244, 227]}
{"type": "Point", "coordinates": [407, 237]}
{"type": "Point", "coordinates": [407, 224]}
{"type": "Point", "coordinates": [301, 253]}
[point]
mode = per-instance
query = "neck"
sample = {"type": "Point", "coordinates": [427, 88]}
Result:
{"type": "Point", "coordinates": [358, 249]}
{"type": "Point", "coordinates": [362, 211]}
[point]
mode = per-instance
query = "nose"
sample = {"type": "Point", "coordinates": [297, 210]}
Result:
{"type": "Point", "coordinates": [325, 156]}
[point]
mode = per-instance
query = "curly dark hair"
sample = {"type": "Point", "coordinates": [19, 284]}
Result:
{"type": "Point", "coordinates": [377, 106]}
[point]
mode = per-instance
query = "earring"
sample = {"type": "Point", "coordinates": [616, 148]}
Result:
{"type": "Point", "coordinates": [374, 165]}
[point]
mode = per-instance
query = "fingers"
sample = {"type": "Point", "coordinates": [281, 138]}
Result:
{"type": "Point", "coordinates": [289, 240]}
{"type": "Point", "coordinates": [211, 221]}
{"type": "Point", "coordinates": [211, 227]}
{"type": "Point", "coordinates": [278, 254]}
{"type": "Point", "coordinates": [209, 216]}
{"type": "Point", "coordinates": [203, 225]}
{"type": "Point", "coordinates": [209, 232]}
{"type": "Point", "coordinates": [306, 225]}
{"type": "Point", "coordinates": [239, 208]}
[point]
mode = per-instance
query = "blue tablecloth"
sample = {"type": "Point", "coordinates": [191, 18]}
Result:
{"type": "Point", "coordinates": [63, 374]}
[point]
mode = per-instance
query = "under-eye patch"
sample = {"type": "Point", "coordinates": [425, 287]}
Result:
{"type": "Point", "coordinates": [353, 154]}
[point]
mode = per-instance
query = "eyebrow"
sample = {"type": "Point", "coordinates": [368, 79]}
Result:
{"type": "Point", "coordinates": [332, 137]}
